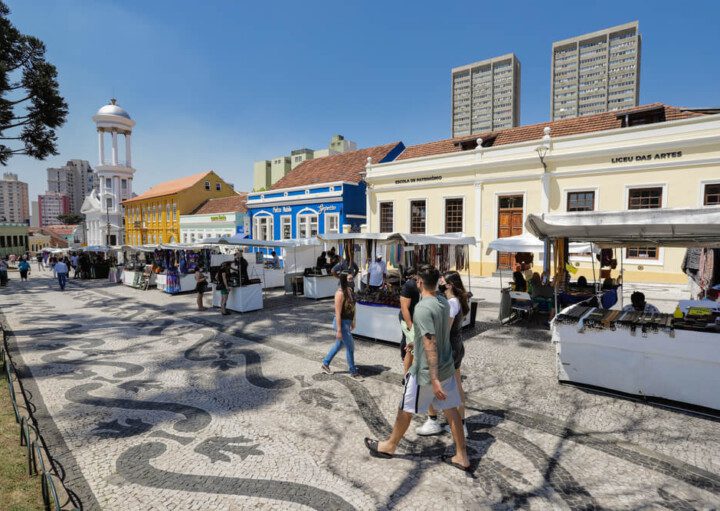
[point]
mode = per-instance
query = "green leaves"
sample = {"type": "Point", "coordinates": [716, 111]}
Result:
{"type": "Point", "coordinates": [31, 108]}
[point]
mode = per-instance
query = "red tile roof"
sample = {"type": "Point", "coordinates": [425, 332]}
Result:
{"type": "Point", "coordinates": [340, 167]}
{"type": "Point", "coordinates": [170, 187]}
{"type": "Point", "coordinates": [59, 230]}
{"type": "Point", "coordinates": [574, 126]}
{"type": "Point", "coordinates": [232, 204]}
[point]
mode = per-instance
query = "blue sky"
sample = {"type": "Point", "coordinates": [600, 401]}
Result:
{"type": "Point", "coordinates": [220, 84]}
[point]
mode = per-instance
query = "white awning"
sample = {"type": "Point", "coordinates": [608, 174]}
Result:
{"type": "Point", "coordinates": [245, 242]}
{"type": "Point", "coordinates": [654, 227]}
{"type": "Point", "coordinates": [409, 239]}
{"type": "Point", "coordinates": [528, 243]}
{"type": "Point", "coordinates": [95, 248]}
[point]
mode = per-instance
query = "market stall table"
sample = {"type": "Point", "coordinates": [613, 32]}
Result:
{"type": "Point", "coordinates": [186, 283]}
{"type": "Point", "coordinates": [673, 357]}
{"type": "Point", "coordinates": [242, 298]}
{"type": "Point", "coordinates": [319, 286]}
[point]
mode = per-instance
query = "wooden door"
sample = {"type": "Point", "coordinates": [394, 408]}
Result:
{"type": "Point", "coordinates": [510, 223]}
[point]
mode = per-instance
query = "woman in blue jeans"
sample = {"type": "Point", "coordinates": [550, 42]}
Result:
{"type": "Point", "coordinates": [343, 324]}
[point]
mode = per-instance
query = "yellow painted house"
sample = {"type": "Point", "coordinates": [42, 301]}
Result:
{"type": "Point", "coordinates": [154, 216]}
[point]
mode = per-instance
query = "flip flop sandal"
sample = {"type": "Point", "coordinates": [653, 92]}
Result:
{"type": "Point", "coordinates": [372, 446]}
{"type": "Point", "coordinates": [448, 460]}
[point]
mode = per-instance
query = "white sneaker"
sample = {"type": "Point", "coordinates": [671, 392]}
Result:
{"type": "Point", "coordinates": [431, 427]}
{"type": "Point", "coordinates": [447, 429]}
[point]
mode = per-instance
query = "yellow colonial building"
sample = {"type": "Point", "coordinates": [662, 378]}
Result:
{"type": "Point", "coordinates": [154, 216]}
{"type": "Point", "coordinates": [485, 185]}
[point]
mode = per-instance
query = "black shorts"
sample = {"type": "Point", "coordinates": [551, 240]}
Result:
{"type": "Point", "coordinates": [458, 349]}
{"type": "Point", "coordinates": [201, 287]}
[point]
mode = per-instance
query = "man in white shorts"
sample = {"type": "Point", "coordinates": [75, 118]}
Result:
{"type": "Point", "coordinates": [431, 379]}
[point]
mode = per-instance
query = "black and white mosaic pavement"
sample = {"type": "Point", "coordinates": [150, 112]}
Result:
{"type": "Point", "coordinates": [148, 404]}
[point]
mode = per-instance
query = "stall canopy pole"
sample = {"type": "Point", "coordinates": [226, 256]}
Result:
{"type": "Point", "coordinates": [622, 276]}
{"type": "Point", "coordinates": [592, 258]}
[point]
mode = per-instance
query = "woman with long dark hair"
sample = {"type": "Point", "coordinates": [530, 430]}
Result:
{"type": "Point", "coordinates": [343, 324]}
{"type": "Point", "coordinates": [451, 285]}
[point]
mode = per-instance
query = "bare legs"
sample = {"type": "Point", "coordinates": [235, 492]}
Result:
{"type": "Point", "coordinates": [402, 422]}
{"type": "Point", "coordinates": [201, 306]}
{"type": "Point", "coordinates": [223, 303]}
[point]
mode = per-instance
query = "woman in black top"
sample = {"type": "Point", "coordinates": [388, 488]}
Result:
{"type": "Point", "coordinates": [223, 285]}
{"type": "Point", "coordinates": [344, 324]}
{"type": "Point", "coordinates": [200, 287]}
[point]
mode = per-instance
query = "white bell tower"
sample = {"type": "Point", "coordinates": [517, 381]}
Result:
{"type": "Point", "coordinates": [105, 220]}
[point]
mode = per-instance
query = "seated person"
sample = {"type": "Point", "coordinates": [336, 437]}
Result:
{"type": "Point", "coordinates": [321, 262]}
{"type": "Point", "coordinates": [608, 284]}
{"type": "Point", "coordinates": [535, 282]}
{"type": "Point", "coordinates": [582, 281]}
{"type": "Point", "coordinates": [275, 260]}
{"type": "Point", "coordinates": [638, 304]}
{"type": "Point", "coordinates": [520, 284]}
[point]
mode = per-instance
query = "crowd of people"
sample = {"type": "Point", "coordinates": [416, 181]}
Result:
{"type": "Point", "coordinates": [432, 309]}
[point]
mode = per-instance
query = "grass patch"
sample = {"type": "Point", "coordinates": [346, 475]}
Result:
{"type": "Point", "coordinates": [18, 491]}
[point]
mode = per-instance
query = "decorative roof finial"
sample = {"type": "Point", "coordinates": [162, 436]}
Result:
{"type": "Point", "coordinates": [113, 101]}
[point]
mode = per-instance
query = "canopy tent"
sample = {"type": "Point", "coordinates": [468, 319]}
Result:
{"type": "Point", "coordinates": [96, 248]}
{"type": "Point", "coordinates": [303, 250]}
{"type": "Point", "coordinates": [242, 241]}
{"type": "Point", "coordinates": [655, 227]}
{"type": "Point", "coordinates": [139, 248]}
{"type": "Point", "coordinates": [528, 243]}
{"type": "Point", "coordinates": [409, 239]}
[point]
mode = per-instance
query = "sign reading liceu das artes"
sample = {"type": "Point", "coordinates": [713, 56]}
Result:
{"type": "Point", "coordinates": [646, 157]}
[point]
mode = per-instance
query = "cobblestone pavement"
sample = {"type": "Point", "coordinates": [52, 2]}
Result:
{"type": "Point", "coordinates": [149, 404]}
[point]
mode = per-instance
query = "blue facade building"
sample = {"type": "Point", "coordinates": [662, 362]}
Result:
{"type": "Point", "coordinates": [319, 196]}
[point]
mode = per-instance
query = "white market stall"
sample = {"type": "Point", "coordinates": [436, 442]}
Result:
{"type": "Point", "coordinates": [295, 255]}
{"type": "Point", "coordinates": [381, 321]}
{"type": "Point", "coordinates": [135, 272]}
{"type": "Point", "coordinates": [667, 356]}
{"type": "Point", "coordinates": [180, 277]}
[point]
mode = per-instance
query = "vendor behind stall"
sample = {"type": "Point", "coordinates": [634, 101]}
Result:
{"type": "Point", "coordinates": [376, 274]}
{"type": "Point", "coordinates": [322, 262]}
{"type": "Point", "coordinates": [242, 265]}
{"type": "Point", "coordinates": [639, 304]}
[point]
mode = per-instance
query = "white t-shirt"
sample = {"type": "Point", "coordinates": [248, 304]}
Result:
{"type": "Point", "coordinates": [377, 270]}
{"type": "Point", "coordinates": [454, 307]}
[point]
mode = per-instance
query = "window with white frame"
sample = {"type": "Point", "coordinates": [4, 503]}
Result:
{"type": "Point", "coordinates": [417, 216]}
{"type": "Point", "coordinates": [711, 195]}
{"type": "Point", "coordinates": [307, 225]}
{"type": "Point", "coordinates": [185, 237]}
{"type": "Point", "coordinates": [453, 215]}
{"type": "Point", "coordinates": [386, 217]}
{"type": "Point", "coordinates": [332, 222]}
{"type": "Point", "coordinates": [285, 227]}
{"type": "Point", "coordinates": [644, 198]}
{"type": "Point", "coordinates": [263, 228]}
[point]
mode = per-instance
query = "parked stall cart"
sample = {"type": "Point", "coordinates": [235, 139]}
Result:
{"type": "Point", "coordinates": [377, 312]}
{"type": "Point", "coordinates": [637, 350]}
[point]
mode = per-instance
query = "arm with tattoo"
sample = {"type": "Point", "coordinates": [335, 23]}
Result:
{"type": "Point", "coordinates": [430, 345]}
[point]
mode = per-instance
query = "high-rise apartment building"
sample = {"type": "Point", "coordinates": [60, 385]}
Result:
{"type": "Point", "coordinates": [51, 205]}
{"type": "Point", "coordinates": [76, 180]}
{"type": "Point", "coordinates": [14, 200]}
{"type": "Point", "coordinates": [268, 172]}
{"type": "Point", "coordinates": [486, 95]}
{"type": "Point", "coordinates": [596, 72]}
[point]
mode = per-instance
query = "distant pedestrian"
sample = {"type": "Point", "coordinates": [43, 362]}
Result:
{"type": "Point", "coordinates": [431, 379]}
{"type": "Point", "coordinates": [343, 324]}
{"type": "Point", "coordinates": [3, 272]}
{"type": "Point", "coordinates": [61, 270]}
{"type": "Point", "coordinates": [223, 285]}
{"type": "Point", "coordinates": [39, 259]}
{"type": "Point", "coordinates": [201, 285]}
{"type": "Point", "coordinates": [24, 268]}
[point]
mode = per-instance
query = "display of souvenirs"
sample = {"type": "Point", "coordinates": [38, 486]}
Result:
{"type": "Point", "coordinates": [389, 297]}
{"type": "Point", "coordinates": [639, 322]}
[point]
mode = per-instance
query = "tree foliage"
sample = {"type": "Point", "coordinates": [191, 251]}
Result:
{"type": "Point", "coordinates": [71, 219]}
{"type": "Point", "coordinates": [31, 108]}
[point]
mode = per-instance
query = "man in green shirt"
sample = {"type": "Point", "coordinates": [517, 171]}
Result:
{"type": "Point", "coordinates": [431, 379]}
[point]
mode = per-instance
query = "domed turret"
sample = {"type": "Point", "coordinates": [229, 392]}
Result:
{"type": "Point", "coordinates": [113, 109]}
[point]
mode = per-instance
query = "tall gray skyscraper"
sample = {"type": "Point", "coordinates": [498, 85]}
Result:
{"type": "Point", "coordinates": [486, 95]}
{"type": "Point", "coordinates": [596, 72]}
{"type": "Point", "coordinates": [76, 180]}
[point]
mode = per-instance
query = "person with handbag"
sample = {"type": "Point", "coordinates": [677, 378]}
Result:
{"type": "Point", "coordinates": [343, 324]}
